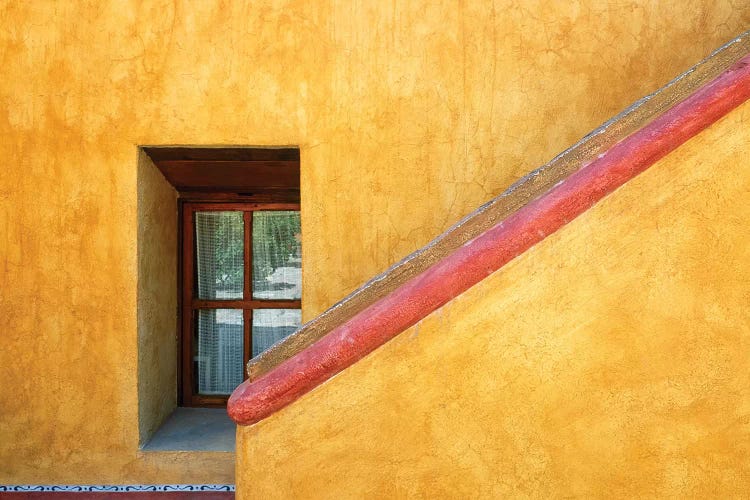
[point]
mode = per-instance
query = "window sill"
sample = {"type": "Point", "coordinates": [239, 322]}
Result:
{"type": "Point", "coordinates": [194, 429]}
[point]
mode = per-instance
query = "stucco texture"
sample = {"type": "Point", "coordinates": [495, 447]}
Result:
{"type": "Point", "coordinates": [610, 360]}
{"type": "Point", "coordinates": [409, 114]}
{"type": "Point", "coordinates": [157, 302]}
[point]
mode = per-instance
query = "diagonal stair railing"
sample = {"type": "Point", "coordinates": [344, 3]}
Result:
{"type": "Point", "coordinates": [484, 241]}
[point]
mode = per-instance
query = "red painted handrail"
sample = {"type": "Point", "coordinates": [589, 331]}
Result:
{"type": "Point", "coordinates": [451, 276]}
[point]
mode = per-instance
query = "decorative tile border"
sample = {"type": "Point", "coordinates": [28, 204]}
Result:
{"type": "Point", "coordinates": [116, 488]}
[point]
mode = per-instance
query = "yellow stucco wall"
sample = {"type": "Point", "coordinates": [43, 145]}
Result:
{"type": "Point", "coordinates": [610, 361]}
{"type": "Point", "coordinates": [157, 302]}
{"type": "Point", "coordinates": [408, 114]}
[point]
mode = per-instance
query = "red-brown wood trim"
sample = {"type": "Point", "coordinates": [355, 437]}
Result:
{"type": "Point", "coordinates": [229, 163]}
{"type": "Point", "coordinates": [246, 304]}
{"type": "Point", "coordinates": [205, 401]}
{"type": "Point", "coordinates": [454, 274]}
{"type": "Point", "coordinates": [247, 314]}
{"type": "Point", "coordinates": [160, 154]}
{"type": "Point", "coordinates": [239, 207]}
{"type": "Point", "coordinates": [268, 173]}
{"type": "Point", "coordinates": [186, 331]}
{"type": "Point", "coordinates": [247, 331]}
{"type": "Point", "coordinates": [247, 291]}
{"type": "Point", "coordinates": [257, 196]}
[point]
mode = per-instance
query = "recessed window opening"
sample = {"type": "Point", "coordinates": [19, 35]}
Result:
{"type": "Point", "coordinates": [240, 261]}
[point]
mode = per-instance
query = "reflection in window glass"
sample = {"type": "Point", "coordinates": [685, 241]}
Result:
{"type": "Point", "coordinates": [272, 325]}
{"type": "Point", "coordinates": [219, 254]}
{"type": "Point", "coordinates": [277, 255]}
{"type": "Point", "coordinates": [219, 351]}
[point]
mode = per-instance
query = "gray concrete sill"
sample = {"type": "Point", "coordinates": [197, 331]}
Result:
{"type": "Point", "coordinates": [194, 429]}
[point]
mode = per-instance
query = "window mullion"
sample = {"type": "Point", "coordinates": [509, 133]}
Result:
{"type": "Point", "coordinates": [248, 344]}
{"type": "Point", "coordinates": [248, 289]}
{"type": "Point", "coordinates": [248, 263]}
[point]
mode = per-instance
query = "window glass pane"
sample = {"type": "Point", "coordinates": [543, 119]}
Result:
{"type": "Point", "coordinates": [219, 352]}
{"type": "Point", "coordinates": [272, 325]}
{"type": "Point", "coordinates": [277, 255]}
{"type": "Point", "coordinates": [218, 252]}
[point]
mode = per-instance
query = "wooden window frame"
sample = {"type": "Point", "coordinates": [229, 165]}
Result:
{"type": "Point", "coordinates": [189, 304]}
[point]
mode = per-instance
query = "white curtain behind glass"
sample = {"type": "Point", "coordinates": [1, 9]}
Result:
{"type": "Point", "coordinates": [219, 249]}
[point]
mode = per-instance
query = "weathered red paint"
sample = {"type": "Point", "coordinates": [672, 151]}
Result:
{"type": "Point", "coordinates": [386, 318]}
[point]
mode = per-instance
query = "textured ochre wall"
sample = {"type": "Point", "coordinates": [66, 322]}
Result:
{"type": "Point", "coordinates": [408, 114]}
{"type": "Point", "coordinates": [610, 360]}
{"type": "Point", "coordinates": [156, 300]}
